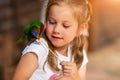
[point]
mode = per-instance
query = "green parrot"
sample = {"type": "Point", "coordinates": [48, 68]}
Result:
{"type": "Point", "coordinates": [32, 31]}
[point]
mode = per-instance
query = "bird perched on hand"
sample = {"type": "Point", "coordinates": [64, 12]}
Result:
{"type": "Point", "coordinates": [32, 31]}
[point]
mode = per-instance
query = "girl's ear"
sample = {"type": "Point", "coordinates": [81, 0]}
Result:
{"type": "Point", "coordinates": [82, 27]}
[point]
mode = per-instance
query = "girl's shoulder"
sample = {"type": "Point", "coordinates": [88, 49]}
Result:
{"type": "Point", "coordinates": [38, 47]}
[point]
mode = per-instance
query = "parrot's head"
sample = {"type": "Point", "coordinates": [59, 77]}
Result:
{"type": "Point", "coordinates": [32, 31]}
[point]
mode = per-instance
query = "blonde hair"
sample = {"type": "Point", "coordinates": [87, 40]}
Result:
{"type": "Point", "coordinates": [81, 11]}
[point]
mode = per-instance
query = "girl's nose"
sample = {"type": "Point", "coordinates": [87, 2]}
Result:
{"type": "Point", "coordinates": [56, 28]}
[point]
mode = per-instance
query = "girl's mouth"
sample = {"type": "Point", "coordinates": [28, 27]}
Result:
{"type": "Point", "coordinates": [56, 38]}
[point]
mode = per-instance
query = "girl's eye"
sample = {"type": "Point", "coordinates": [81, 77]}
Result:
{"type": "Point", "coordinates": [66, 26]}
{"type": "Point", "coordinates": [52, 22]}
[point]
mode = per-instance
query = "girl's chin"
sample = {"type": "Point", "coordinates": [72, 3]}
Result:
{"type": "Point", "coordinates": [56, 45]}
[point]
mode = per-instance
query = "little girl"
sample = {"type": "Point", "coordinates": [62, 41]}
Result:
{"type": "Point", "coordinates": [65, 22]}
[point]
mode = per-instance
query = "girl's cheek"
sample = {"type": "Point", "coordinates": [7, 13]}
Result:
{"type": "Point", "coordinates": [49, 29]}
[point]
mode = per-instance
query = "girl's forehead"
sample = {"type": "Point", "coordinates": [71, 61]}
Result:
{"type": "Point", "coordinates": [64, 7]}
{"type": "Point", "coordinates": [61, 12]}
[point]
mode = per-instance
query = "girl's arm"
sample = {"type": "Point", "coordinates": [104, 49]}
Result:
{"type": "Point", "coordinates": [27, 65]}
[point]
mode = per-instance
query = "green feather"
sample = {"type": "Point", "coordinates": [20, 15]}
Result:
{"type": "Point", "coordinates": [21, 39]}
{"type": "Point", "coordinates": [27, 28]}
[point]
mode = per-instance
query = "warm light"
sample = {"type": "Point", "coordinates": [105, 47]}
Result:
{"type": "Point", "coordinates": [116, 0]}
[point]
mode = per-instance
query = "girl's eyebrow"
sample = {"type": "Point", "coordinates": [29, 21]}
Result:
{"type": "Point", "coordinates": [50, 17]}
{"type": "Point", "coordinates": [67, 22]}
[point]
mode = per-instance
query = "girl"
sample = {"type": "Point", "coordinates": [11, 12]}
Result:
{"type": "Point", "coordinates": [65, 23]}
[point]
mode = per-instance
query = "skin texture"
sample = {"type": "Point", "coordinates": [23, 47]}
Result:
{"type": "Point", "coordinates": [25, 67]}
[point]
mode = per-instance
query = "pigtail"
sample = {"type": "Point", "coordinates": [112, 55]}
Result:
{"type": "Point", "coordinates": [77, 50]}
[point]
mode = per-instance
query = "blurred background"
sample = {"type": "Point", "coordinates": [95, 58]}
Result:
{"type": "Point", "coordinates": [104, 39]}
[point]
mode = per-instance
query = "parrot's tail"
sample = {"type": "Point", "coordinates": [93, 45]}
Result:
{"type": "Point", "coordinates": [20, 40]}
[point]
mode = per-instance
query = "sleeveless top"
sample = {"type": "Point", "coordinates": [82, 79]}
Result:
{"type": "Point", "coordinates": [42, 51]}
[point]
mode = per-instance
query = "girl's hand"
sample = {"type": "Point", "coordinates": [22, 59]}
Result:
{"type": "Point", "coordinates": [70, 70]}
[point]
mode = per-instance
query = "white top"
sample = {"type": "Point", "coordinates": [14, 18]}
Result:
{"type": "Point", "coordinates": [41, 50]}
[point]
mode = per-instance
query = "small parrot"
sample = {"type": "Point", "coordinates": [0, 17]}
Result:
{"type": "Point", "coordinates": [32, 31]}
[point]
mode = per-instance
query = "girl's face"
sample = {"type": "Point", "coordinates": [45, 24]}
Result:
{"type": "Point", "coordinates": [61, 26]}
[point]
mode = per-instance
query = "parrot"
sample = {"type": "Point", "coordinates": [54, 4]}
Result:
{"type": "Point", "coordinates": [32, 31]}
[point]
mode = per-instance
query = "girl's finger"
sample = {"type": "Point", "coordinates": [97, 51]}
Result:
{"type": "Point", "coordinates": [58, 77]}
